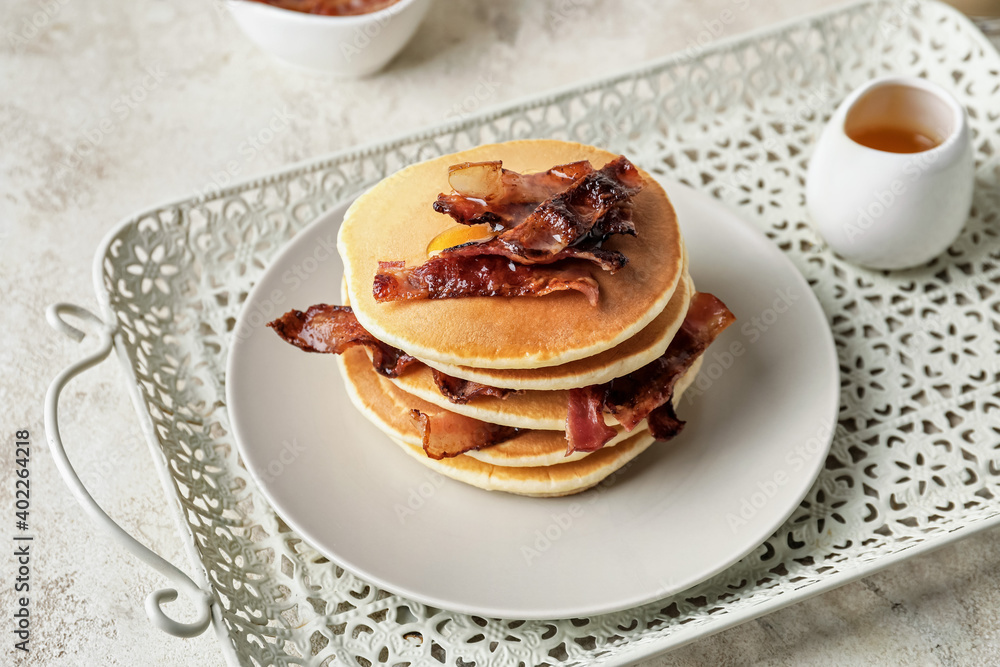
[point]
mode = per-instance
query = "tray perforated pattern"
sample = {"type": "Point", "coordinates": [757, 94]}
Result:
{"type": "Point", "coordinates": [915, 453]}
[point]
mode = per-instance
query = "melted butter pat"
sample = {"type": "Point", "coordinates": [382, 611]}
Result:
{"type": "Point", "coordinates": [459, 235]}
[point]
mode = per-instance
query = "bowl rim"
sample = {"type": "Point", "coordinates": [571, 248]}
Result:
{"type": "Point", "coordinates": [291, 15]}
{"type": "Point", "coordinates": [937, 90]}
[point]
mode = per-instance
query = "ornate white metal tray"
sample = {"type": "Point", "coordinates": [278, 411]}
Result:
{"type": "Point", "coordinates": [914, 463]}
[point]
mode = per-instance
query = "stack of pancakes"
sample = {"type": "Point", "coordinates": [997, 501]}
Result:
{"type": "Point", "coordinates": [543, 346]}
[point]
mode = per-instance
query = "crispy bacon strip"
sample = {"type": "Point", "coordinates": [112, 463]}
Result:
{"type": "Point", "coordinates": [462, 391]}
{"type": "Point", "coordinates": [571, 223]}
{"type": "Point", "coordinates": [452, 277]}
{"type": "Point", "coordinates": [632, 397]}
{"type": "Point", "coordinates": [334, 329]}
{"type": "Point", "coordinates": [485, 192]}
{"type": "Point", "coordinates": [647, 392]}
{"type": "Point", "coordinates": [585, 427]}
{"type": "Point", "coordinates": [663, 422]}
{"type": "Point", "coordinates": [567, 218]}
{"type": "Point", "coordinates": [609, 260]}
{"type": "Point", "coordinates": [447, 434]}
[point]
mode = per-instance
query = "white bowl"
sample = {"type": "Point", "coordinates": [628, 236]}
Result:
{"type": "Point", "coordinates": [348, 46]}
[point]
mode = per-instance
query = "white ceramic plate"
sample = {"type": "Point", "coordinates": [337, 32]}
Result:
{"type": "Point", "coordinates": [759, 419]}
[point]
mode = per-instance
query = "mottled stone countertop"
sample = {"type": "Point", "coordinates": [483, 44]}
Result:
{"type": "Point", "coordinates": [206, 90]}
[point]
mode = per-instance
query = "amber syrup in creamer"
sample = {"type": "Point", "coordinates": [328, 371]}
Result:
{"type": "Point", "coordinates": [895, 139]}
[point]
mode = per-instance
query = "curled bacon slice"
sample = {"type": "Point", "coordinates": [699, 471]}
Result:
{"type": "Point", "coordinates": [571, 223]}
{"type": "Point", "coordinates": [632, 397]}
{"type": "Point", "coordinates": [462, 391]}
{"type": "Point", "coordinates": [447, 434]}
{"type": "Point", "coordinates": [585, 427]}
{"type": "Point", "coordinates": [663, 422]}
{"type": "Point", "coordinates": [609, 260]}
{"type": "Point", "coordinates": [452, 277]}
{"type": "Point", "coordinates": [647, 392]}
{"type": "Point", "coordinates": [485, 192]}
{"type": "Point", "coordinates": [334, 329]}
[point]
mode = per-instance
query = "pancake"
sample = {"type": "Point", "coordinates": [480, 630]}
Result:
{"type": "Point", "coordinates": [542, 482]}
{"type": "Point", "coordinates": [387, 406]}
{"type": "Point", "coordinates": [395, 221]}
{"type": "Point", "coordinates": [634, 353]}
{"type": "Point", "coordinates": [377, 399]}
{"type": "Point", "coordinates": [544, 410]}
{"type": "Point", "coordinates": [538, 448]}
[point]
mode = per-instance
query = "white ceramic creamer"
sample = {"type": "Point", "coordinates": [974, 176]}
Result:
{"type": "Point", "coordinates": [890, 181]}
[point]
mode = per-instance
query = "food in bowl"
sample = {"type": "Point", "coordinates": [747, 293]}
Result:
{"type": "Point", "coordinates": [330, 7]}
{"type": "Point", "coordinates": [345, 45]}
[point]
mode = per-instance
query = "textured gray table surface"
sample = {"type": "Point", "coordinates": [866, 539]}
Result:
{"type": "Point", "coordinates": [79, 151]}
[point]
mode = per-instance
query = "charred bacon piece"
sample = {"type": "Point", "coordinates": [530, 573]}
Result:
{"type": "Point", "coordinates": [333, 330]}
{"type": "Point", "coordinates": [632, 397]}
{"type": "Point", "coordinates": [586, 430]}
{"type": "Point", "coordinates": [647, 392]}
{"type": "Point", "coordinates": [452, 277]}
{"type": "Point", "coordinates": [571, 223]}
{"type": "Point", "coordinates": [462, 391]}
{"type": "Point", "coordinates": [663, 422]}
{"type": "Point", "coordinates": [447, 434]}
{"type": "Point", "coordinates": [485, 192]}
{"type": "Point", "coordinates": [609, 260]}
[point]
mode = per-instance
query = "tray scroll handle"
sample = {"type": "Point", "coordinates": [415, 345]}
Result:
{"type": "Point", "coordinates": [54, 314]}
